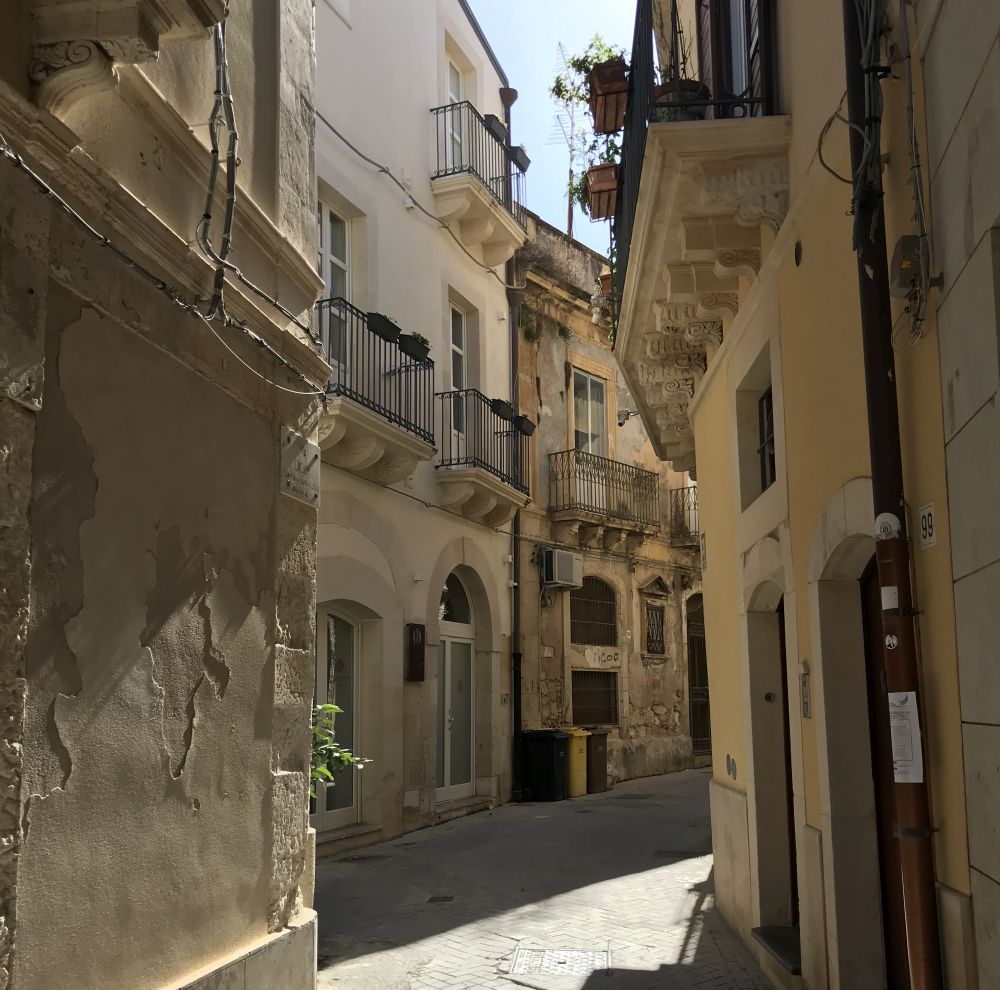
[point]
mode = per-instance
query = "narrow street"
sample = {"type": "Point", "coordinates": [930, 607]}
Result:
{"type": "Point", "coordinates": [608, 891]}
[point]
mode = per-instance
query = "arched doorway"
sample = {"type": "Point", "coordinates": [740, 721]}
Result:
{"type": "Point", "coordinates": [456, 694]}
{"type": "Point", "coordinates": [701, 721]}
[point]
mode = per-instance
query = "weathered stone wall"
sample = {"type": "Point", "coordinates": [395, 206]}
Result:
{"type": "Point", "coordinates": [156, 584]}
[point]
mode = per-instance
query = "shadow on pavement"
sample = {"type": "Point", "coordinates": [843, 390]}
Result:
{"type": "Point", "coordinates": [510, 860]}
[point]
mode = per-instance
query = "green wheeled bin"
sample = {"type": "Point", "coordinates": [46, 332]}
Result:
{"type": "Point", "coordinates": [544, 765]}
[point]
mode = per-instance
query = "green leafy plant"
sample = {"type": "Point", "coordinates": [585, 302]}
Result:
{"type": "Point", "coordinates": [530, 324]}
{"type": "Point", "coordinates": [327, 755]}
{"type": "Point", "coordinates": [571, 88]}
{"type": "Point", "coordinates": [421, 339]}
{"type": "Point", "coordinates": [563, 330]}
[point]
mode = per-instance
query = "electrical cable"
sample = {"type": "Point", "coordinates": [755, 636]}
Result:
{"type": "Point", "coordinates": [8, 153]}
{"type": "Point", "coordinates": [384, 170]}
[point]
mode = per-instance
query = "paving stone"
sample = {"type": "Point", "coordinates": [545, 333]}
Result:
{"type": "Point", "coordinates": [539, 878]}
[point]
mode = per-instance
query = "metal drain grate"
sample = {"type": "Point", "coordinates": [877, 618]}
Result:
{"type": "Point", "coordinates": [559, 962]}
{"type": "Point", "coordinates": [372, 858]}
{"type": "Point", "coordinates": [440, 899]}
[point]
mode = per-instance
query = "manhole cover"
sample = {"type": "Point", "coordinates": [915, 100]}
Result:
{"type": "Point", "coordinates": [559, 962]}
{"type": "Point", "coordinates": [440, 899]}
{"type": "Point", "coordinates": [373, 858]}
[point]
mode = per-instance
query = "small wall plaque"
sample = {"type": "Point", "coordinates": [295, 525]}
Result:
{"type": "Point", "coordinates": [299, 467]}
{"type": "Point", "coordinates": [415, 641]}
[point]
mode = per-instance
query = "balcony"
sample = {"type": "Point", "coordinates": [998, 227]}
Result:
{"type": "Point", "coordinates": [483, 468]}
{"type": "Point", "coordinates": [378, 415]}
{"type": "Point", "coordinates": [596, 501]}
{"type": "Point", "coordinates": [704, 170]}
{"type": "Point", "coordinates": [684, 517]}
{"type": "Point", "coordinates": [478, 185]}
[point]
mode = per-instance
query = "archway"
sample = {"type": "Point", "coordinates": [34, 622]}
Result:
{"type": "Point", "coordinates": [456, 694]}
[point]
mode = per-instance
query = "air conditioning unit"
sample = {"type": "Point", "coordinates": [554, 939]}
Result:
{"type": "Point", "coordinates": [562, 569]}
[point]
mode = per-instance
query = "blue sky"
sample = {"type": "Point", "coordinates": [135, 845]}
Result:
{"type": "Point", "coordinates": [525, 35]}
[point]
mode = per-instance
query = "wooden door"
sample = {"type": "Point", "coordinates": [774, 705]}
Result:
{"type": "Point", "coordinates": [701, 721]}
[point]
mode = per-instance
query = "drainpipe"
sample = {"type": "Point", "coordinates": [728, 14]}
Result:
{"type": "Point", "coordinates": [507, 97]}
{"type": "Point", "coordinates": [912, 810]}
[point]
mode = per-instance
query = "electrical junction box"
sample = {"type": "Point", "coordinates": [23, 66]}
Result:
{"type": "Point", "coordinates": [562, 569]}
{"type": "Point", "coordinates": [908, 260]}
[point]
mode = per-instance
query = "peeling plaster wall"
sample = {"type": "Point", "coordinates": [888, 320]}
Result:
{"type": "Point", "coordinates": [654, 731]}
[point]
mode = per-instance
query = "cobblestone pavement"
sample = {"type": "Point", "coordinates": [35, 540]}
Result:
{"type": "Point", "coordinates": [627, 873]}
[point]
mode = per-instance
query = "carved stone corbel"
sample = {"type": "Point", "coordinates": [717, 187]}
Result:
{"type": "Point", "coordinates": [66, 72]}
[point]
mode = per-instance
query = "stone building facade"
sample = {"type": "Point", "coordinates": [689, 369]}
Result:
{"type": "Point", "coordinates": [601, 493]}
{"type": "Point", "coordinates": [421, 474]}
{"type": "Point", "coordinates": [157, 498]}
{"type": "Point", "coordinates": [740, 242]}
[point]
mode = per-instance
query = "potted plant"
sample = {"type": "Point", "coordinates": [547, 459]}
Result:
{"type": "Point", "coordinates": [520, 158]}
{"type": "Point", "coordinates": [383, 327]}
{"type": "Point", "coordinates": [602, 190]}
{"type": "Point", "coordinates": [415, 346]}
{"type": "Point", "coordinates": [608, 95]}
{"type": "Point", "coordinates": [496, 127]}
{"type": "Point", "coordinates": [503, 409]}
{"type": "Point", "coordinates": [678, 97]}
{"type": "Point", "coordinates": [524, 426]}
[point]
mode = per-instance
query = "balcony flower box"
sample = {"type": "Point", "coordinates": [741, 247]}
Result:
{"type": "Point", "coordinates": [503, 409]}
{"type": "Point", "coordinates": [681, 99]}
{"type": "Point", "coordinates": [383, 327]}
{"type": "Point", "coordinates": [524, 425]}
{"type": "Point", "coordinates": [606, 283]}
{"type": "Point", "coordinates": [608, 96]}
{"type": "Point", "coordinates": [496, 127]}
{"type": "Point", "coordinates": [413, 347]}
{"type": "Point", "coordinates": [602, 190]}
{"type": "Point", "coordinates": [520, 158]}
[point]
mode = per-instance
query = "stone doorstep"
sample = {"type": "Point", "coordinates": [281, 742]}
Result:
{"type": "Point", "coordinates": [449, 810]}
{"type": "Point", "coordinates": [285, 959]}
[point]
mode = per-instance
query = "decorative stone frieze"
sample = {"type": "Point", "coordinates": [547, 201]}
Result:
{"type": "Point", "coordinates": [696, 242]}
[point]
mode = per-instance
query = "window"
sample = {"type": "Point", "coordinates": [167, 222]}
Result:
{"type": "Point", "coordinates": [456, 94]}
{"type": "Point", "coordinates": [655, 616]}
{"type": "Point", "coordinates": [734, 54]}
{"type": "Point", "coordinates": [595, 697]}
{"type": "Point", "coordinates": [590, 418]}
{"type": "Point", "coordinates": [459, 378]}
{"type": "Point", "coordinates": [593, 619]}
{"type": "Point", "coordinates": [765, 437]}
{"type": "Point", "coordinates": [333, 243]}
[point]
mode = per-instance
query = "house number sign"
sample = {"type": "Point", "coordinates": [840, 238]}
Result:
{"type": "Point", "coordinates": [926, 530]}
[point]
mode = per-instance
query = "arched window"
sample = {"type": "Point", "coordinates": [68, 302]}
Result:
{"type": "Point", "coordinates": [593, 618]}
{"type": "Point", "coordinates": [455, 605]}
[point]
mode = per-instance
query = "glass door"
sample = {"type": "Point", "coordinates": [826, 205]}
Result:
{"type": "Point", "coordinates": [337, 803]}
{"type": "Point", "coordinates": [590, 435]}
{"type": "Point", "coordinates": [333, 240]}
{"type": "Point", "coordinates": [456, 734]}
{"type": "Point", "coordinates": [453, 153]}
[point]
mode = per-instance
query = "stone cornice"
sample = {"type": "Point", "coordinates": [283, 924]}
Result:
{"type": "Point", "coordinates": [53, 151]}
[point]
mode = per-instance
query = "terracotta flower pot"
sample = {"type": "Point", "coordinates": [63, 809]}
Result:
{"type": "Point", "coordinates": [602, 190]}
{"type": "Point", "coordinates": [608, 96]}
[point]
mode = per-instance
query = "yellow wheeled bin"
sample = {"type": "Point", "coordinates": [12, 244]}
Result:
{"type": "Point", "coordinates": [577, 761]}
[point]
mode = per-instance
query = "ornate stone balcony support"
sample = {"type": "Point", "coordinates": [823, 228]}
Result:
{"type": "Point", "coordinates": [708, 188]}
{"type": "Point", "coordinates": [75, 46]}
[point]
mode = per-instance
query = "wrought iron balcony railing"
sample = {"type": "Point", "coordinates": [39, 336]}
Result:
{"type": "Point", "coordinates": [480, 432]}
{"type": "Point", "coordinates": [466, 144]}
{"type": "Point", "coordinates": [684, 516]}
{"type": "Point", "coordinates": [374, 372]}
{"type": "Point", "coordinates": [599, 485]}
{"type": "Point", "coordinates": [736, 64]}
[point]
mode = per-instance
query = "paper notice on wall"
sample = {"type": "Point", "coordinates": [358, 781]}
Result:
{"type": "Point", "coordinates": [904, 724]}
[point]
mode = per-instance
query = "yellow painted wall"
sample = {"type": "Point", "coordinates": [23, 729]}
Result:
{"type": "Point", "coordinates": [716, 505]}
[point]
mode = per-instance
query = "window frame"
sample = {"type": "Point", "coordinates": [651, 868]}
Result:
{"type": "Point", "coordinates": [766, 451]}
{"type": "Point", "coordinates": [580, 718]}
{"type": "Point", "coordinates": [325, 212]}
{"type": "Point", "coordinates": [591, 378]}
{"type": "Point", "coordinates": [661, 607]}
{"type": "Point", "coordinates": [580, 626]}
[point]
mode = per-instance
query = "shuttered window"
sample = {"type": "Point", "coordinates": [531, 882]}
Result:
{"type": "Point", "coordinates": [595, 697]}
{"type": "Point", "coordinates": [593, 619]}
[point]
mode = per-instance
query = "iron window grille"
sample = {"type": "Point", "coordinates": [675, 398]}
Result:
{"type": "Point", "coordinates": [655, 623]}
{"type": "Point", "coordinates": [593, 614]}
{"type": "Point", "coordinates": [595, 697]}
{"type": "Point", "coordinates": [765, 435]}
